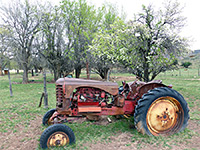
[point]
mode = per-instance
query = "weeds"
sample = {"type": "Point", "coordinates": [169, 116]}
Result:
{"type": "Point", "coordinates": [20, 109]}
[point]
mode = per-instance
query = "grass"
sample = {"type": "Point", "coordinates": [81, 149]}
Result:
{"type": "Point", "coordinates": [23, 106]}
{"type": "Point", "coordinates": [20, 109]}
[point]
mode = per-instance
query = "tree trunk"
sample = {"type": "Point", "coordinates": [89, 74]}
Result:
{"type": "Point", "coordinates": [55, 76]}
{"type": "Point", "coordinates": [146, 70]}
{"type": "Point", "coordinates": [1, 72]}
{"type": "Point", "coordinates": [104, 73]}
{"type": "Point", "coordinates": [36, 69]}
{"type": "Point", "coordinates": [57, 72]}
{"type": "Point", "coordinates": [32, 72]}
{"type": "Point", "coordinates": [87, 70]}
{"type": "Point", "coordinates": [77, 71]}
{"type": "Point", "coordinates": [25, 74]}
{"type": "Point", "coordinates": [146, 75]}
{"type": "Point", "coordinates": [153, 76]}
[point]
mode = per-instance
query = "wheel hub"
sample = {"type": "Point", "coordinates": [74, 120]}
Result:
{"type": "Point", "coordinates": [163, 115]}
{"type": "Point", "coordinates": [58, 139]}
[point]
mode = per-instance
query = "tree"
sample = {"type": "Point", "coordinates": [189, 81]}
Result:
{"type": "Point", "coordinates": [4, 49]}
{"type": "Point", "coordinates": [81, 21]}
{"type": "Point", "coordinates": [102, 64]}
{"type": "Point", "coordinates": [186, 64]}
{"type": "Point", "coordinates": [52, 42]}
{"type": "Point", "coordinates": [22, 20]}
{"type": "Point", "coordinates": [38, 62]}
{"type": "Point", "coordinates": [148, 45]}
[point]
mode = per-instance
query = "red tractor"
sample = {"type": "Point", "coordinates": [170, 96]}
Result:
{"type": "Point", "coordinates": [157, 108]}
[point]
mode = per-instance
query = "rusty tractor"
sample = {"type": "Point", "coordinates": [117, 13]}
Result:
{"type": "Point", "coordinates": [157, 109]}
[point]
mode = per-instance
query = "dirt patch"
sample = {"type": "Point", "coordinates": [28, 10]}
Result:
{"type": "Point", "coordinates": [26, 138]}
{"type": "Point", "coordinates": [192, 143]}
{"type": "Point", "coordinates": [121, 141]}
{"type": "Point", "coordinates": [194, 125]}
{"type": "Point", "coordinates": [23, 138]}
{"type": "Point", "coordinates": [124, 141]}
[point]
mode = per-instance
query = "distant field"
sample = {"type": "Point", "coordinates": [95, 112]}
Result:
{"type": "Point", "coordinates": [20, 117]}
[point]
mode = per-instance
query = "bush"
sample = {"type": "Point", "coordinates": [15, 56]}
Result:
{"type": "Point", "coordinates": [186, 64]}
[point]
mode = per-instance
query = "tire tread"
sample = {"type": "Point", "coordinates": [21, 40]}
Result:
{"type": "Point", "coordinates": [148, 98]}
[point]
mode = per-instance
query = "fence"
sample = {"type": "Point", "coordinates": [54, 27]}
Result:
{"type": "Point", "coordinates": [193, 73]}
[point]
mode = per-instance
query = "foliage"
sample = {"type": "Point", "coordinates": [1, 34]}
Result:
{"type": "Point", "coordinates": [22, 21]}
{"type": "Point", "coordinates": [52, 44]}
{"type": "Point", "coordinates": [146, 46]}
{"type": "Point", "coordinates": [101, 64]}
{"type": "Point", "coordinates": [186, 64]}
{"type": "Point", "coordinates": [194, 59]}
{"type": "Point", "coordinates": [4, 49]}
{"type": "Point", "coordinates": [58, 37]}
{"type": "Point", "coordinates": [81, 22]}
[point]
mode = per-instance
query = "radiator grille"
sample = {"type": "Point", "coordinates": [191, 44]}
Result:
{"type": "Point", "coordinates": [59, 96]}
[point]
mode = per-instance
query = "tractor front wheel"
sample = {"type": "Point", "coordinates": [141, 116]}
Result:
{"type": "Point", "coordinates": [57, 135]}
{"type": "Point", "coordinates": [46, 118]}
{"type": "Point", "coordinates": [161, 111]}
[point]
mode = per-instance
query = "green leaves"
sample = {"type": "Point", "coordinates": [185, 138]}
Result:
{"type": "Point", "coordinates": [145, 45]}
{"type": "Point", "coordinates": [186, 64]}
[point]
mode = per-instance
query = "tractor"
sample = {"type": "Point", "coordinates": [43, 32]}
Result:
{"type": "Point", "coordinates": [157, 108]}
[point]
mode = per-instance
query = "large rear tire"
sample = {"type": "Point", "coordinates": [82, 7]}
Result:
{"type": "Point", "coordinates": [161, 111]}
{"type": "Point", "coordinates": [57, 135]}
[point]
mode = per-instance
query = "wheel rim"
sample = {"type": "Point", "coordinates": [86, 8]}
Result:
{"type": "Point", "coordinates": [49, 121]}
{"type": "Point", "coordinates": [58, 139]}
{"type": "Point", "coordinates": [164, 116]}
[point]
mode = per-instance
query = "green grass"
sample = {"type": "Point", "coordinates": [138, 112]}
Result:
{"type": "Point", "coordinates": [23, 106]}
{"type": "Point", "coordinates": [20, 109]}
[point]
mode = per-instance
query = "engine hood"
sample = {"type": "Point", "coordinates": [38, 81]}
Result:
{"type": "Point", "coordinates": [69, 84]}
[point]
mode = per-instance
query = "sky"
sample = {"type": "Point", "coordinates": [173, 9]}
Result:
{"type": "Point", "coordinates": [191, 11]}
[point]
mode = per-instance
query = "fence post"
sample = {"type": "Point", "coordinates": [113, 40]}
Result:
{"type": "Point", "coordinates": [108, 75]}
{"type": "Point", "coordinates": [11, 94]}
{"type": "Point", "coordinates": [45, 91]}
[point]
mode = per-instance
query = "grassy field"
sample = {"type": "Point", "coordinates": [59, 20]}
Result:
{"type": "Point", "coordinates": [18, 112]}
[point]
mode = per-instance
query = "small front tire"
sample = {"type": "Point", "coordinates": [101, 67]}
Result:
{"type": "Point", "coordinates": [46, 118]}
{"type": "Point", "coordinates": [57, 135]}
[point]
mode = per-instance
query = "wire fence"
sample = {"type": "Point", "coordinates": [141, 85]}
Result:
{"type": "Point", "coordinates": [193, 73]}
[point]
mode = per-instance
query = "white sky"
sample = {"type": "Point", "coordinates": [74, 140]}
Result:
{"type": "Point", "coordinates": [191, 11]}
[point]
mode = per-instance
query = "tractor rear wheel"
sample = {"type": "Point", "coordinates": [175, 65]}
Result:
{"type": "Point", "coordinates": [57, 135]}
{"type": "Point", "coordinates": [161, 111]}
{"type": "Point", "coordinates": [46, 118]}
